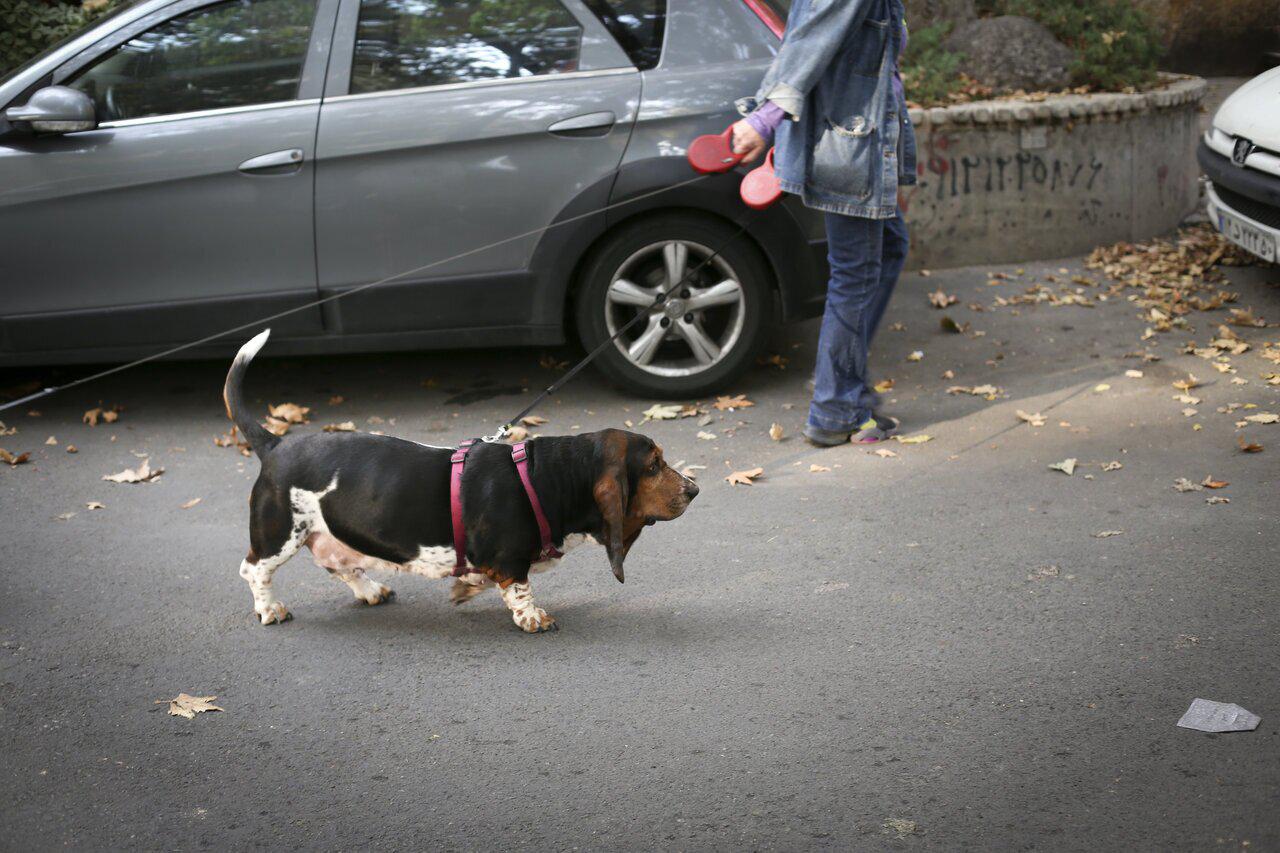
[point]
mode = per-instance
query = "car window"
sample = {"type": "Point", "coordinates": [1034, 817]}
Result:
{"type": "Point", "coordinates": [408, 43]}
{"type": "Point", "coordinates": [229, 55]}
{"type": "Point", "coordinates": [637, 25]}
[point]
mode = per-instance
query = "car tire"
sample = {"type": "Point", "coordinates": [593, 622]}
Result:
{"type": "Point", "coordinates": [703, 348]}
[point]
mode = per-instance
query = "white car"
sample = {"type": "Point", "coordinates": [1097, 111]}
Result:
{"type": "Point", "coordinates": [1240, 154]}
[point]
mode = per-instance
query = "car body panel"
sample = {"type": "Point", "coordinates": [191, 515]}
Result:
{"type": "Point", "coordinates": [1253, 111]}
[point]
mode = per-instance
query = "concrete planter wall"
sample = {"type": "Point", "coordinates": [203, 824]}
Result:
{"type": "Point", "coordinates": [1006, 181]}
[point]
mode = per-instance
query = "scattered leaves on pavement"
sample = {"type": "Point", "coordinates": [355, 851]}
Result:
{"type": "Point", "coordinates": [51, 441]}
{"type": "Point", "coordinates": [1112, 466]}
{"type": "Point", "coordinates": [915, 355]}
{"type": "Point", "coordinates": [345, 426]}
{"type": "Point", "coordinates": [95, 505]}
{"type": "Point", "coordinates": [1187, 384]}
{"type": "Point", "coordinates": [938, 299]}
{"type": "Point", "coordinates": [775, 360]}
{"type": "Point", "coordinates": [706, 436]}
{"type": "Point", "coordinates": [107, 416]}
{"type": "Point", "coordinates": [884, 386]}
{"type": "Point", "coordinates": [1107, 534]}
{"type": "Point", "coordinates": [918, 438]}
{"type": "Point", "coordinates": [142, 474]}
{"type": "Point", "coordinates": [516, 434]}
{"type": "Point", "coordinates": [949, 325]}
{"type": "Point", "coordinates": [1217, 499]}
{"type": "Point", "coordinates": [745, 478]}
{"type": "Point", "coordinates": [1133, 374]}
{"type": "Point", "coordinates": [990, 392]}
{"type": "Point", "coordinates": [775, 432]}
{"type": "Point", "coordinates": [1041, 572]}
{"type": "Point", "coordinates": [189, 504]}
{"type": "Point", "coordinates": [886, 453]}
{"type": "Point", "coordinates": [533, 420]}
{"type": "Point", "coordinates": [14, 460]}
{"type": "Point", "coordinates": [1182, 484]}
{"type": "Point", "coordinates": [71, 448]}
{"type": "Point", "coordinates": [818, 469]}
{"type": "Point", "coordinates": [187, 706]}
{"type": "Point", "coordinates": [1248, 446]}
{"type": "Point", "coordinates": [1101, 387]}
{"type": "Point", "coordinates": [549, 362]}
{"type": "Point", "coordinates": [337, 400]}
{"type": "Point", "coordinates": [691, 471]}
{"type": "Point", "coordinates": [740, 401]}
{"type": "Point", "coordinates": [1035, 420]}
{"type": "Point", "coordinates": [1066, 466]}
{"type": "Point", "coordinates": [1209, 483]}
{"type": "Point", "coordinates": [900, 827]}
{"type": "Point", "coordinates": [1263, 418]}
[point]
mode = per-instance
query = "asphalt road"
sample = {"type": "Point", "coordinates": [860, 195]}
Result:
{"type": "Point", "coordinates": [877, 656]}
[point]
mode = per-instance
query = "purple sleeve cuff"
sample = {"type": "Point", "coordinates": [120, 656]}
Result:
{"type": "Point", "coordinates": [766, 118]}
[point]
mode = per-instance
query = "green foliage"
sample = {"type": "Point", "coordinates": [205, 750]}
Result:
{"type": "Point", "coordinates": [1116, 44]}
{"type": "Point", "coordinates": [930, 72]}
{"type": "Point", "coordinates": [28, 27]}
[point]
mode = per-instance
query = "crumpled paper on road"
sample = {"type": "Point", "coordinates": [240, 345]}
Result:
{"type": "Point", "coordinates": [1205, 715]}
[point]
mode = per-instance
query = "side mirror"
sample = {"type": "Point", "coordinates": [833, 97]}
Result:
{"type": "Point", "coordinates": [56, 109]}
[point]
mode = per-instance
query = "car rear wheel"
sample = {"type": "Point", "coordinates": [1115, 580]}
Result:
{"type": "Point", "coordinates": [707, 332]}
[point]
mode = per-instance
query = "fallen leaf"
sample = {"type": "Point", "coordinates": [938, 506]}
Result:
{"type": "Point", "coordinates": [886, 453]}
{"type": "Point", "coordinates": [1217, 499]}
{"type": "Point", "coordinates": [1106, 534]}
{"type": "Point", "coordinates": [659, 412]}
{"type": "Point", "coordinates": [186, 706]}
{"type": "Point", "coordinates": [1035, 420]}
{"type": "Point", "coordinates": [949, 325]}
{"type": "Point", "coordinates": [533, 420]}
{"type": "Point", "coordinates": [1112, 466]}
{"type": "Point", "coordinates": [20, 459]}
{"type": "Point", "coordinates": [706, 436]}
{"type": "Point", "coordinates": [1248, 446]}
{"type": "Point", "coordinates": [71, 448]}
{"type": "Point", "coordinates": [775, 360]}
{"type": "Point", "coordinates": [1188, 383]}
{"type": "Point", "coordinates": [51, 441]}
{"type": "Point", "coordinates": [938, 299]}
{"type": "Point", "coordinates": [690, 411]}
{"type": "Point", "coordinates": [1066, 466]}
{"type": "Point", "coordinates": [1244, 317]}
{"type": "Point", "coordinates": [1263, 418]}
{"type": "Point", "coordinates": [1101, 387]}
{"type": "Point", "coordinates": [884, 386]}
{"type": "Point", "coordinates": [916, 355]}
{"type": "Point", "coordinates": [1188, 412]}
{"type": "Point", "coordinates": [64, 516]}
{"type": "Point", "coordinates": [516, 434]}
{"type": "Point", "coordinates": [818, 469]}
{"type": "Point", "coordinates": [737, 402]}
{"type": "Point", "coordinates": [107, 416]}
{"type": "Point", "coordinates": [189, 504]}
{"type": "Point", "coordinates": [1182, 484]}
{"type": "Point", "coordinates": [337, 400]}
{"type": "Point", "coordinates": [1187, 399]}
{"type": "Point", "coordinates": [290, 413]}
{"type": "Point", "coordinates": [1133, 374]}
{"type": "Point", "coordinates": [900, 827]}
{"type": "Point", "coordinates": [95, 505]}
{"type": "Point", "coordinates": [1042, 572]}
{"type": "Point", "coordinates": [948, 374]}
{"type": "Point", "coordinates": [142, 474]}
{"type": "Point", "coordinates": [775, 432]}
{"type": "Point", "coordinates": [744, 478]}
{"type": "Point", "coordinates": [919, 438]}
{"type": "Point", "coordinates": [345, 426]}
{"type": "Point", "coordinates": [550, 362]}
{"type": "Point", "coordinates": [275, 426]}
{"type": "Point", "coordinates": [1209, 483]}
{"type": "Point", "coordinates": [897, 327]}
{"type": "Point", "coordinates": [691, 471]}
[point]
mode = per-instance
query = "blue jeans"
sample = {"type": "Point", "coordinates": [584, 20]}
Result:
{"type": "Point", "coordinates": [866, 257]}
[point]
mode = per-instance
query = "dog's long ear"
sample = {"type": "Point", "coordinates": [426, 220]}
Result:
{"type": "Point", "coordinates": [610, 492]}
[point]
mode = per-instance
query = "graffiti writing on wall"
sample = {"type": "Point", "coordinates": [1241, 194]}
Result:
{"type": "Point", "coordinates": [999, 173]}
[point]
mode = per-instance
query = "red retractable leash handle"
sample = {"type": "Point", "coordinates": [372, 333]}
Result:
{"type": "Point", "coordinates": [713, 154]}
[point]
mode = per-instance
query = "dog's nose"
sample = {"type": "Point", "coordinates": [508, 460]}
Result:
{"type": "Point", "coordinates": [691, 489]}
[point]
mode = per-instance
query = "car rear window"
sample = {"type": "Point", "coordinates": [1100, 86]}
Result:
{"type": "Point", "coordinates": [638, 25]}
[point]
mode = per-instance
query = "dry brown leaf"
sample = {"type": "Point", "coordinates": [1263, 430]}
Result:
{"type": "Point", "coordinates": [1217, 499]}
{"type": "Point", "coordinates": [1036, 419]}
{"type": "Point", "coordinates": [189, 504]}
{"type": "Point", "coordinates": [1112, 466]}
{"type": "Point", "coordinates": [275, 426]}
{"type": "Point", "coordinates": [51, 441]}
{"type": "Point", "coordinates": [691, 471]}
{"type": "Point", "coordinates": [95, 505]}
{"type": "Point", "coordinates": [1133, 374]}
{"type": "Point", "coordinates": [142, 474]}
{"type": "Point", "coordinates": [516, 434]}
{"type": "Point", "coordinates": [1263, 418]}
{"type": "Point", "coordinates": [818, 469]}
{"type": "Point", "coordinates": [949, 325]}
{"type": "Point", "coordinates": [659, 412]}
{"type": "Point", "coordinates": [938, 299]}
{"type": "Point", "coordinates": [706, 436]}
{"type": "Point", "coordinates": [71, 448]}
{"type": "Point", "coordinates": [1107, 534]}
{"type": "Point", "coordinates": [919, 438]}
{"type": "Point", "coordinates": [1188, 383]}
{"type": "Point", "coordinates": [775, 360]}
{"type": "Point", "coordinates": [337, 400]}
{"type": "Point", "coordinates": [345, 426]}
{"type": "Point", "coordinates": [20, 459]}
{"type": "Point", "coordinates": [1066, 466]}
{"type": "Point", "coordinates": [1101, 387]}
{"type": "Point", "coordinates": [550, 362]}
{"type": "Point", "coordinates": [916, 355]}
{"type": "Point", "coordinates": [775, 432]}
{"type": "Point", "coordinates": [290, 413]}
{"type": "Point", "coordinates": [1209, 483]}
{"type": "Point", "coordinates": [739, 401]}
{"type": "Point", "coordinates": [533, 420]}
{"type": "Point", "coordinates": [886, 453]}
{"type": "Point", "coordinates": [745, 478]}
{"type": "Point", "coordinates": [187, 706]}
{"type": "Point", "coordinates": [1248, 446]}
{"type": "Point", "coordinates": [884, 386]}
{"type": "Point", "coordinates": [1182, 484]}
{"type": "Point", "coordinates": [948, 374]}
{"type": "Point", "coordinates": [107, 416]}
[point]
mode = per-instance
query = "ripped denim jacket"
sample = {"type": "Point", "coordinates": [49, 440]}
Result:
{"type": "Point", "coordinates": [850, 144]}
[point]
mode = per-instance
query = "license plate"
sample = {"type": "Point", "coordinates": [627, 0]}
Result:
{"type": "Point", "coordinates": [1243, 234]}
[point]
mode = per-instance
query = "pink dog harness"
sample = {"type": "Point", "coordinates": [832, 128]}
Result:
{"type": "Point", "coordinates": [519, 455]}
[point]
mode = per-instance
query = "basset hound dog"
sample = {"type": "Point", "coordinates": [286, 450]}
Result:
{"type": "Point", "coordinates": [362, 502]}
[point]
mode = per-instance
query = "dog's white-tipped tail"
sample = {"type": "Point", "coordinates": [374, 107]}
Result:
{"type": "Point", "coordinates": [254, 433]}
{"type": "Point", "coordinates": [250, 349]}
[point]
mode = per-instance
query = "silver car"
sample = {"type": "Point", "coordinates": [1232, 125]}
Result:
{"type": "Point", "coordinates": [187, 166]}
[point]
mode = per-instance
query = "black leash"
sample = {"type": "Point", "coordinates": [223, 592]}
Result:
{"type": "Point", "coordinates": [551, 389]}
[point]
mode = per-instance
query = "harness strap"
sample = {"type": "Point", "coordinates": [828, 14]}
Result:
{"type": "Point", "coordinates": [520, 456]}
{"type": "Point", "coordinates": [459, 460]}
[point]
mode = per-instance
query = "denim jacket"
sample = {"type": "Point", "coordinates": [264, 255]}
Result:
{"type": "Point", "coordinates": [850, 144]}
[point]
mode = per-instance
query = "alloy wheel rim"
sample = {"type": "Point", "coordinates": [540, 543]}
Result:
{"type": "Point", "coordinates": [695, 329]}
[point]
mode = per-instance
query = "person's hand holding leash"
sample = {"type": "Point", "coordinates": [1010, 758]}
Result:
{"type": "Point", "coordinates": [748, 142]}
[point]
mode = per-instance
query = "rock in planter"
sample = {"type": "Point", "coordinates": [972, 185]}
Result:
{"type": "Point", "coordinates": [922, 13]}
{"type": "Point", "coordinates": [1011, 52]}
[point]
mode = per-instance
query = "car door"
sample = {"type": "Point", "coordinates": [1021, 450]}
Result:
{"type": "Point", "coordinates": [451, 125]}
{"type": "Point", "coordinates": [189, 208]}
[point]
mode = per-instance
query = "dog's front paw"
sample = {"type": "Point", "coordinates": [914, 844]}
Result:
{"type": "Point", "coordinates": [535, 620]}
{"type": "Point", "coordinates": [376, 593]}
{"type": "Point", "coordinates": [274, 613]}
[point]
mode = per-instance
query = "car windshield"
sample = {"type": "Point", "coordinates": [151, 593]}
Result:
{"type": "Point", "coordinates": [123, 7]}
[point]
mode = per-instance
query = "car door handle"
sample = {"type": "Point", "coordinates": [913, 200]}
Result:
{"type": "Point", "coordinates": [276, 161]}
{"type": "Point", "coordinates": [591, 124]}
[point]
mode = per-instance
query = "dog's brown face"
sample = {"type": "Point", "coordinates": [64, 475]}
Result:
{"type": "Point", "coordinates": [636, 488]}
